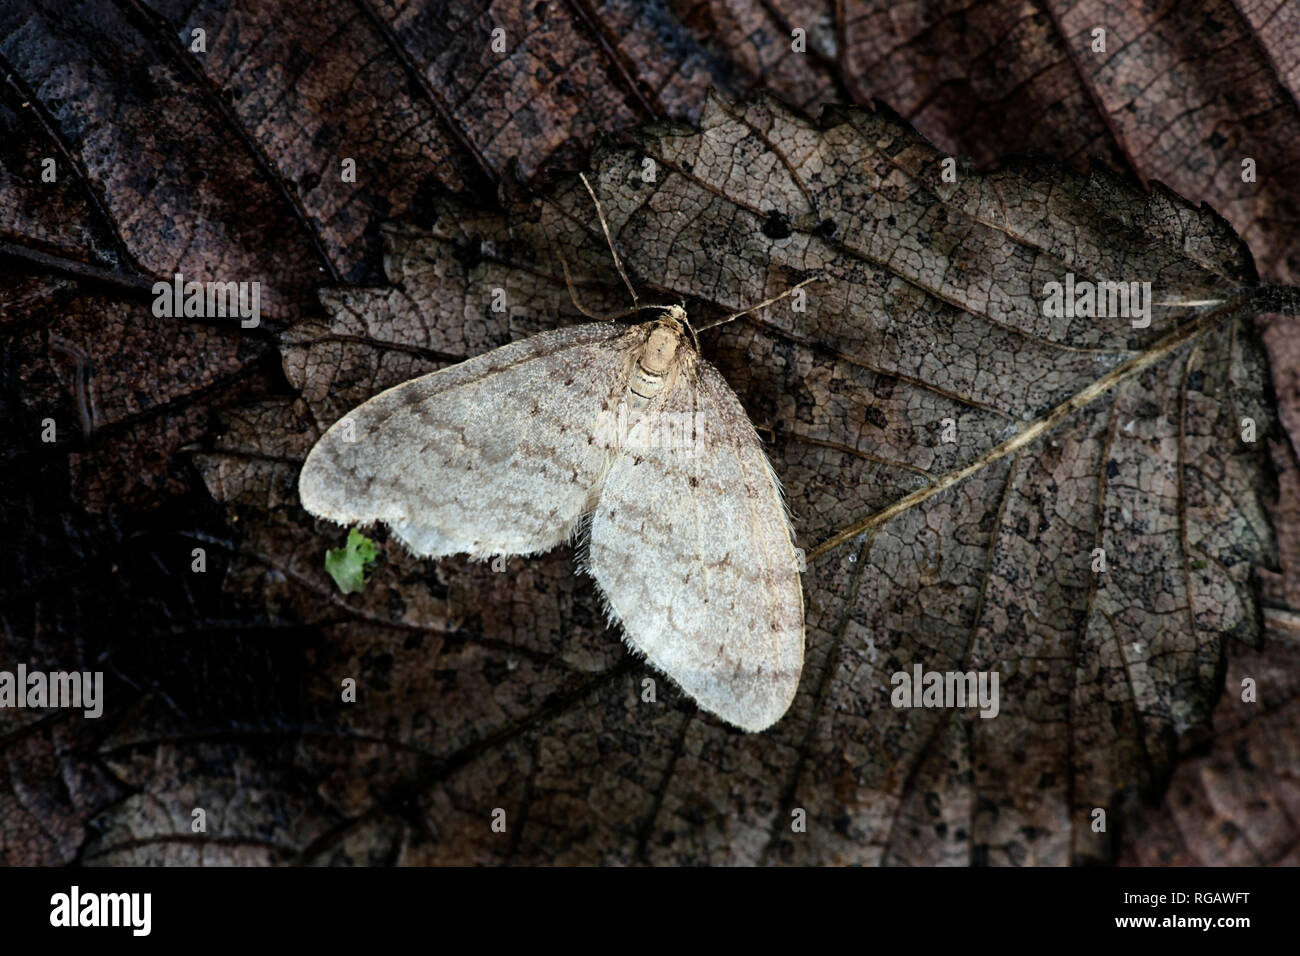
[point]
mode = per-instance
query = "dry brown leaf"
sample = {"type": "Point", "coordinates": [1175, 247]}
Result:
{"type": "Point", "coordinates": [224, 162]}
{"type": "Point", "coordinates": [505, 690]}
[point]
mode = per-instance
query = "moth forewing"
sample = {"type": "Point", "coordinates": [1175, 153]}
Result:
{"type": "Point", "coordinates": [691, 546]}
{"type": "Point", "coordinates": [497, 455]}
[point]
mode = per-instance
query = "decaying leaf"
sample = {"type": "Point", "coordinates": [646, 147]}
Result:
{"type": "Point", "coordinates": [955, 461]}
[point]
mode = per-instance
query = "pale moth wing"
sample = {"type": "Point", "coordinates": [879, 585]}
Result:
{"type": "Point", "coordinates": [498, 455]}
{"type": "Point", "coordinates": [692, 547]}
{"type": "Point", "coordinates": [508, 452]}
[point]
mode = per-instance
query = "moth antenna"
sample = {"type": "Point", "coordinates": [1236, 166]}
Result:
{"type": "Point", "coordinates": [618, 264]}
{"type": "Point", "coordinates": [573, 295]}
{"type": "Point", "coordinates": [762, 305]}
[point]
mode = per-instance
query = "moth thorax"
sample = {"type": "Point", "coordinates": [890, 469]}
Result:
{"type": "Point", "coordinates": [653, 363]}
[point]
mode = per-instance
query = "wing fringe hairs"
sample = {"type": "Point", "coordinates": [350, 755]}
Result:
{"type": "Point", "coordinates": [624, 438]}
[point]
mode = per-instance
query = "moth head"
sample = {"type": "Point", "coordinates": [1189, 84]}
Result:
{"type": "Point", "coordinates": [673, 316]}
{"type": "Point", "coordinates": [672, 321]}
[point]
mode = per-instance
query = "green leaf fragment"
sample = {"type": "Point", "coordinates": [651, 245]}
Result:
{"type": "Point", "coordinates": [348, 565]}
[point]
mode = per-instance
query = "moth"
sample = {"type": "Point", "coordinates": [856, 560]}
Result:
{"type": "Point", "coordinates": [624, 437]}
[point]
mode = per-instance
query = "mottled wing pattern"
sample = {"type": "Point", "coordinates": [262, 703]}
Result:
{"type": "Point", "coordinates": [496, 455]}
{"type": "Point", "coordinates": [693, 550]}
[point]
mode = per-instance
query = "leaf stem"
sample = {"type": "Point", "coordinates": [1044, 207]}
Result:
{"type": "Point", "coordinates": [1031, 432]}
